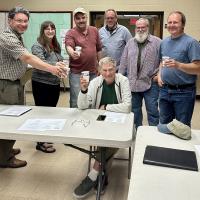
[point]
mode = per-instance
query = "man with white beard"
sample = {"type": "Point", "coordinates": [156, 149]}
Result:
{"type": "Point", "coordinates": [140, 60]}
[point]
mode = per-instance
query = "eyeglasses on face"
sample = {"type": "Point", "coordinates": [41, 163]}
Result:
{"type": "Point", "coordinates": [21, 21]}
{"type": "Point", "coordinates": [107, 18]}
{"type": "Point", "coordinates": [141, 28]}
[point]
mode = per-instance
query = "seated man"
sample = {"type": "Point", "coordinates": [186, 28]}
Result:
{"type": "Point", "coordinates": [111, 92]}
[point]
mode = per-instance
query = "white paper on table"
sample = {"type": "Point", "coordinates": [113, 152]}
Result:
{"type": "Point", "coordinates": [115, 117]}
{"type": "Point", "coordinates": [198, 149]}
{"type": "Point", "coordinates": [43, 124]}
{"type": "Point", "coordinates": [15, 110]}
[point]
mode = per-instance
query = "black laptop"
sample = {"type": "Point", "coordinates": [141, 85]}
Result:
{"type": "Point", "coordinates": [168, 157]}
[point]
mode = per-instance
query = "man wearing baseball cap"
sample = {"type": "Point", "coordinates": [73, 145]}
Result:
{"type": "Point", "coordinates": [84, 48]}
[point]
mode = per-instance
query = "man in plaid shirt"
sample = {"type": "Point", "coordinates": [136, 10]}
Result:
{"type": "Point", "coordinates": [14, 58]}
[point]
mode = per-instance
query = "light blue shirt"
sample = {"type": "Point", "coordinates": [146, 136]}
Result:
{"type": "Point", "coordinates": [184, 49]}
{"type": "Point", "coordinates": [113, 43]}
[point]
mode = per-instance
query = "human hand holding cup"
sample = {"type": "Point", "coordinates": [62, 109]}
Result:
{"type": "Point", "coordinates": [165, 59]}
{"type": "Point", "coordinates": [78, 50]}
{"type": "Point", "coordinates": [84, 80]}
{"type": "Point", "coordinates": [86, 75]}
{"type": "Point", "coordinates": [66, 63]}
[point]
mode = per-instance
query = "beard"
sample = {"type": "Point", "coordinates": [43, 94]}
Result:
{"type": "Point", "coordinates": [141, 37]}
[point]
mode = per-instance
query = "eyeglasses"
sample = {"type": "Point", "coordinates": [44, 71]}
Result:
{"type": "Point", "coordinates": [107, 18]}
{"type": "Point", "coordinates": [81, 122]}
{"type": "Point", "coordinates": [141, 28]}
{"type": "Point", "coordinates": [20, 21]}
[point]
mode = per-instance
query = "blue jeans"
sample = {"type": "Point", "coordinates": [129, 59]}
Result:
{"type": "Point", "coordinates": [74, 83]}
{"type": "Point", "coordinates": [151, 102]}
{"type": "Point", "coordinates": [176, 104]}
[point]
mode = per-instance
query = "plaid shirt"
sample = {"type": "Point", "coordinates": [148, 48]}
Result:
{"type": "Point", "coordinates": [141, 80]}
{"type": "Point", "coordinates": [11, 48]}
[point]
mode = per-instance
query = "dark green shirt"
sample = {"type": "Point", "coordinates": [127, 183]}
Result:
{"type": "Point", "coordinates": [108, 94]}
{"type": "Point", "coordinates": [140, 47]}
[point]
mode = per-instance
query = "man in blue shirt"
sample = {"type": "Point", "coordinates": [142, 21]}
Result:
{"type": "Point", "coordinates": [177, 75]}
{"type": "Point", "coordinates": [114, 37]}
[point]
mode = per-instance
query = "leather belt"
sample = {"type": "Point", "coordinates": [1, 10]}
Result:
{"type": "Point", "coordinates": [17, 80]}
{"type": "Point", "coordinates": [175, 87]}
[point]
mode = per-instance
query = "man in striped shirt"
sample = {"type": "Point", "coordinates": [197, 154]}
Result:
{"type": "Point", "coordinates": [14, 58]}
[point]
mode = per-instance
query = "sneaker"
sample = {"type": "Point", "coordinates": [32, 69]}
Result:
{"type": "Point", "coordinates": [104, 184]}
{"type": "Point", "coordinates": [84, 188]}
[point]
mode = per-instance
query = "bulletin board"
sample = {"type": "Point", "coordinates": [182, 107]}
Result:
{"type": "Point", "coordinates": [62, 21]}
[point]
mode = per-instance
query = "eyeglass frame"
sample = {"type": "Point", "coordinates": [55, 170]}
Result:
{"type": "Point", "coordinates": [20, 21]}
{"type": "Point", "coordinates": [83, 122]}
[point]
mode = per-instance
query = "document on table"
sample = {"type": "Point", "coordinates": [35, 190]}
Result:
{"type": "Point", "coordinates": [15, 110]}
{"type": "Point", "coordinates": [43, 125]}
{"type": "Point", "coordinates": [115, 117]}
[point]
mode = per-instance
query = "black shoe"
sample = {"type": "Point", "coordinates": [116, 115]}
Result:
{"type": "Point", "coordinates": [84, 188]}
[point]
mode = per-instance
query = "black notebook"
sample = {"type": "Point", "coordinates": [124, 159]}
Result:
{"type": "Point", "coordinates": [168, 157]}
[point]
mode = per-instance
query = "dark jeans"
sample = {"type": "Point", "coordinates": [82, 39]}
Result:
{"type": "Point", "coordinates": [176, 104]}
{"type": "Point", "coordinates": [151, 103]}
{"type": "Point", "coordinates": [11, 93]}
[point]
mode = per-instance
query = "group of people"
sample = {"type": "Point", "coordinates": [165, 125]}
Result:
{"type": "Point", "coordinates": [138, 60]}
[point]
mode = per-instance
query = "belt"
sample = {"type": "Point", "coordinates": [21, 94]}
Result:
{"type": "Point", "coordinates": [10, 80]}
{"type": "Point", "coordinates": [175, 87]}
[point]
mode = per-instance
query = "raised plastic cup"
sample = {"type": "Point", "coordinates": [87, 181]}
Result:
{"type": "Point", "coordinates": [78, 50]}
{"type": "Point", "coordinates": [164, 59]}
{"type": "Point", "coordinates": [86, 75]}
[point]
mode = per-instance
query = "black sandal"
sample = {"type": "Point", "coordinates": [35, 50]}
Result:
{"type": "Point", "coordinates": [45, 147]}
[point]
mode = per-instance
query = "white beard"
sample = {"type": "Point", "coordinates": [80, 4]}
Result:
{"type": "Point", "coordinates": [141, 37]}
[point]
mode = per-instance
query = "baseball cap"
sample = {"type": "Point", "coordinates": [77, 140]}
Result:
{"type": "Point", "coordinates": [79, 10]}
{"type": "Point", "coordinates": [177, 128]}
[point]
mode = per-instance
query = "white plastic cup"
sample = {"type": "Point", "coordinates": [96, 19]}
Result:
{"type": "Point", "coordinates": [66, 62]}
{"type": "Point", "coordinates": [164, 59]}
{"type": "Point", "coordinates": [86, 75]}
{"type": "Point", "coordinates": [66, 68]}
{"type": "Point", "coordinates": [78, 50]}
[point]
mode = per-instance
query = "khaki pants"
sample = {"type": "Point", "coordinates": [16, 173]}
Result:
{"type": "Point", "coordinates": [11, 93]}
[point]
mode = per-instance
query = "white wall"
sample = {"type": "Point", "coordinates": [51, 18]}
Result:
{"type": "Point", "coordinates": [191, 8]}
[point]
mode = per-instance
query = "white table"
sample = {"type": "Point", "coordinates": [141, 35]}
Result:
{"type": "Point", "coordinates": [97, 133]}
{"type": "Point", "coordinates": [150, 182]}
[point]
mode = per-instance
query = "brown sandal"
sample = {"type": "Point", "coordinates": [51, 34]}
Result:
{"type": "Point", "coordinates": [45, 147]}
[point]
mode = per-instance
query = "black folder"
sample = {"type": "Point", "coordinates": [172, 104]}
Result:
{"type": "Point", "coordinates": [168, 157]}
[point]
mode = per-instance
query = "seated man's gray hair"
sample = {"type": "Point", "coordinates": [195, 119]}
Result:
{"type": "Point", "coordinates": [107, 60]}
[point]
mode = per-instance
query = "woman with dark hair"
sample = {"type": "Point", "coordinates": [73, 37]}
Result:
{"type": "Point", "coordinates": [45, 86]}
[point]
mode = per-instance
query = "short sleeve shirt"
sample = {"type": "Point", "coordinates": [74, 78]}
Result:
{"type": "Point", "coordinates": [184, 49]}
{"type": "Point", "coordinates": [11, 48]}
{"type": "Point", "coordinates": [90, 44]}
